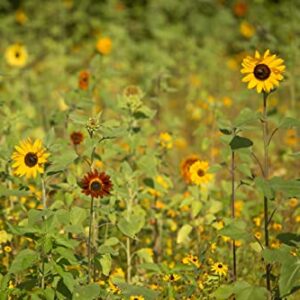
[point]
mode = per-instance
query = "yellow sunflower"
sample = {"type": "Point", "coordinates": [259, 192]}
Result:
{"type": "Point", "coordinates": [16, 55]}
{"type": "Point", "coordinates": [219, 269]}
{"type": "Point", "coordinates": [199, 174]}
{"type": "Point", "coordinates": [263, 71]}
{"type": "Point", "coordinates": [137, 298]}
{"type": "Point", "coordinates": [29, 158]}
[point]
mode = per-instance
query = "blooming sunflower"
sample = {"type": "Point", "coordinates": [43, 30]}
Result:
{"type": "Point", "coordinates": [136, 298]}
{"type": "Point", "coordinates": [219, 269]}
{"type": "Point", "coordinates": [29, 158]}
{"type": "Point", "coordinates": [16, 55]}
{"type": "Point", "coordinates": [83, 80]}
{"type": "Point", "coordinates": [262, 71]}
{"type": "Point", "coordinates": [76, 137]}
{"type": "Point", "coordinates": [96, 184]}
{"type": "Point", "coordinates": [171, 277]}
{"type": "Point", "coordinates": [104, 45]}
{"type": "Point", "coordinates": [185, 167]}
{"type": "Point", "coordinates": [199, 174]}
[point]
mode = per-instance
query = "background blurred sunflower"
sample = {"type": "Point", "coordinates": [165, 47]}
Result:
{"type": "Point", "coordinates": [263, 72]}
{"type": "Point", "coordinates": [16, 55]}
{"type": "Point", "coordinates": [96, 184]}
{"type": "Point", "coordinates": [29, 158]}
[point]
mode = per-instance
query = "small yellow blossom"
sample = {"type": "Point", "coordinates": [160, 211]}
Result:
{"type": "Point", "coordinates": [247, 30]}
{"type": "Point", "coordinates": [104, 45]}
{"type": "Point", "coordinates": [166, 140]}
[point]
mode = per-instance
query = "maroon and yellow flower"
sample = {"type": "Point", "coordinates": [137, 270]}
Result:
{"type": "Point", "coordinates": [96, 184]}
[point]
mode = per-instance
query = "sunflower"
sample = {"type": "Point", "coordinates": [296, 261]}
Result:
{"type": "Point", "coordinates": [263, 72]}
{"type": "Point", "coordinates": [171, 277]}
{"type": "Point", "coordinates": [16, 55]}
{"type": "Point", "coordinates": [83, 81]}
{"type": "Point", "coordinates": [29, 158]}
{"type": "Point", "coordinates": [136, 298]}
{"type": "Point", "coordinates": [76, 137]}
{"type": "Point", "coordinates": [96, 184]}
{"type": "Point", "coordinates": [104, 45]}
{"type": "Point", "coordinates": [185, 167]}
{"type": "Point", "coordinates": [199, 174]}
{"type": "Point", "coordinates": [219, 269]}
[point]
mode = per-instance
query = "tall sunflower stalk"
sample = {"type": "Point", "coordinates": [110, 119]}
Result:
{"type": "Point", "coordinates": [264, 72]}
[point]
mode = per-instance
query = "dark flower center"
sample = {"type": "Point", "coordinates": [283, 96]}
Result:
{"type": "Point", "coordinates": [172, 277]}
{"type": "Point", "coordinates": [200, 173]}
{"type": "Point", "coordinates": [96, 186]}
{"type": "Point", "coordinates": [262, 72]}
{"type": "Point", "coordinates": [31, 159]}
{"type": "Point", "coordinates": [220, 266]}
{"type": "Point", "coordinates": [17, 54]}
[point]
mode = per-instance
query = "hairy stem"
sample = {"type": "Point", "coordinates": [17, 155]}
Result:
{"type": "Point", "coordinates": [233, 211]}
{"type": "Point", "coordinates": [90, 240]}
{"type": "Point", "coordinates": [266, 175]}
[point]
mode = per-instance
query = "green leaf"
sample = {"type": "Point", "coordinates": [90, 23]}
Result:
{"type": "Point", "coordinates": [77, 215]}
{"type": "Point", "coordinates": [25, 259]}
{"type": "Point", "coordinates": [289, 122]}
{"type": "Point", "coordinates": [289, 188]}
{"type": "Point", "coordinates": [236, 230]}
{"type": "Point", "coordinates": [265, 187]}
{"type": "Point", "coordinates": [105, 262]}
{"type": "Point", "coordinates": [239, 142]}
{"type": "Point", "coordinates": [183, 233]}
{"type": "Point", "coordinates": [145, 255]}
{"type": "Point", "coordinates": [130, 290]}
{"type": "Point", "coordinates": [89, 292]}
{"type": "Point", "coordinates": [289, 275]}
{"type": "Point", "coordinates": [246, 117]}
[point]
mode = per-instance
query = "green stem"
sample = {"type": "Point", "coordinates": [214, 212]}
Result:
{"type": "Point", "coordinates": [89, 241]}
{"type": "Point", "coordinates": [233, 211]}
{"type": "Point", "coordinates": [44, 199]}
{"type": "Point", "coordinates": [266, 175]}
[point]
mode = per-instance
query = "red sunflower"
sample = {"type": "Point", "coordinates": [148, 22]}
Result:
{"type": "Point", "coordinates": [96, 184]}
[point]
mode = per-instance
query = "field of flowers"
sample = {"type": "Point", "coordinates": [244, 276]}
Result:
{"type": "Point", "coordinates": [149, 149]}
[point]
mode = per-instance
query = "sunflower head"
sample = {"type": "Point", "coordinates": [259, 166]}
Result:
{"type": "Point", "coordinates": [262, 72]}
{"type": "Point", "coordinates": [83, 81]}
{"type": "Point", "coordinates": [199, 173]}
{"type": "Point", "coordinates": [104, 45]}
{"type": "Point", "coordinates": [16, 55]}
{"type": "Point", "coordinates": [76, 137]}
{"type": "Point", "coordinates": [29, 158]}
{"type": "Point", "coordinates": [185, 167]}
{"type": "Point", "coordinates": [219, 269]}
{"type": "Point", "coordinates": [96, 184]}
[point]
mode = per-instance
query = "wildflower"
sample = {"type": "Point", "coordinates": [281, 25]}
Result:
{"type": "Point", "coordinates": [240, 8]}
{"type": "Point", "coordinates": [275, 244]}
{"type": "Point", "coordinates": [276, 226]}
{"type": "Point", "coordinates": [166, 140]}
{"type": "Point", "coordinates": [162, 182]}
{"type": "Point", "coordinates": [191, 260]}
{"type": "Point", "coordinates": [219, 269]}
{"type": "Point", "coordinates": [21, 17]}
{"type": "Point", "coordinates": [291, 138]}
{"type": "Point", "coordinates": [83, 82]}
{"type": "Point", "coordinates": [136, 298]}
{"type": "Point", "coordinates": [238, 206]}
{"type": "Point", "coordinates": [16, 55]}
{"type": "Point", "coordinates": [247, 30]}
{"type": "Point", "coordinates": [171, 277]}
{"type": "Point", "coordinates": [76, 137]}
{"type": "Point", "coordinates": [263, 72]}
{"type": "Point", "coordinates": [5, 237]}
{"type": "Point", "coordinates": [227, 101]}
{"type": "Point", "coordinates": [96, 184]}
{"type": "Point", "coordinates": [7, 249]}
{"type": "Point", "coordinates": [185, 167]}
{"type": "Point", "coordinates": [258, 235]}
{"type": "Point", "coordinates": [293, 202]}
{"type": "Point", "coordinates": [29, 158]}
{"type": "Point", "coordinates": [297, 219]}
{"type": "Point", "coordinates": [257, 221]}
{"type": "Point", "coordinates": [104, 45]}
{"type": "Point", "coordinates": [133, 91]}
{"type": "Point", "coordinates": [199, 174]}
